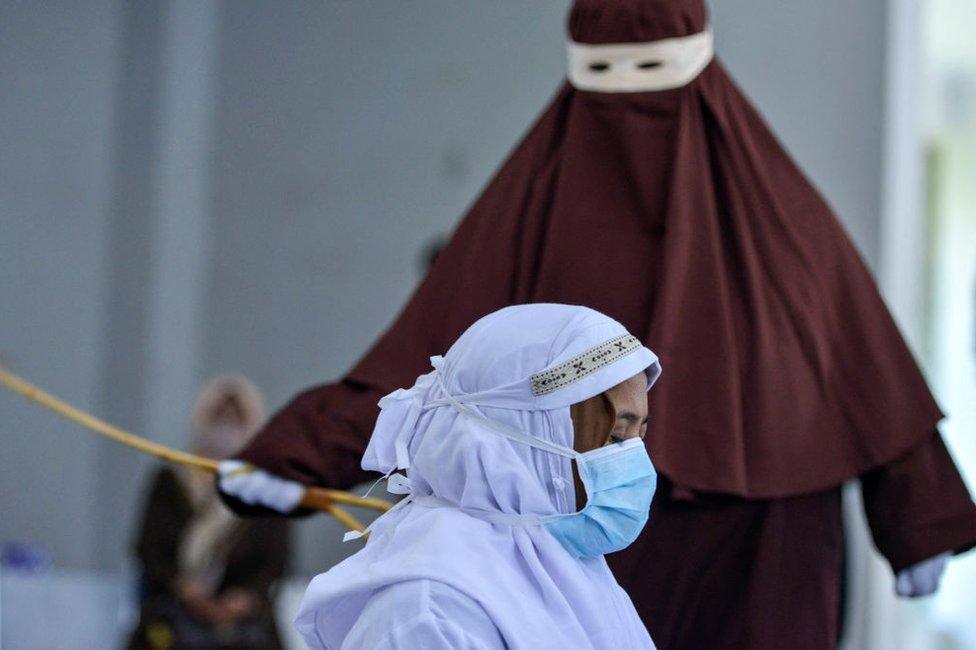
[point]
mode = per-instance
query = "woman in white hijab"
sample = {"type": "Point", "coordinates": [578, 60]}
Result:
{"type": "Point", "coordinates": [524, 466]}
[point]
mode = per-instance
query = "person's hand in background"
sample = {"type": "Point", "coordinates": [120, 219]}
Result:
{"type": "Point", "coordinates": [195, 598]}
{"type": "Point", "coordinates": [235, 605]}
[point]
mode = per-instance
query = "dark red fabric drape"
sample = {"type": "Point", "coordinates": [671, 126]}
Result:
{"type": "Point", "coordinates": [679, 214]}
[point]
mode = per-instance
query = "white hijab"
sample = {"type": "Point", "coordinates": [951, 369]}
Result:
{"type": "Point", "coordinates": [522, 367]}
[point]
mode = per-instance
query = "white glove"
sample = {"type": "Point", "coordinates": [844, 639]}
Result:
{"type": "Point", "coordinates": [921, 579]}
{"type": "Point", "coordinates": [256, 487]}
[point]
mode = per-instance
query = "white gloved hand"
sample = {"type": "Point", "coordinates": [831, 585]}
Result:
{"type": "Point", "coordinates": [921, 579]}
{"type": "Point", "coordinates": [256, 487]}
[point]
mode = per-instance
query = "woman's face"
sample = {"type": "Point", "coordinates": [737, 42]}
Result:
{"type": "Point", "coordinates": [616, 415]}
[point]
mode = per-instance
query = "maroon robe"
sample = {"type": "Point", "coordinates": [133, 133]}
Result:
{"type": "Point", "coordinates": [679, 214]}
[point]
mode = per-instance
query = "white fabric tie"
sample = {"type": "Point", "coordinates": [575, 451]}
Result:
{"type": "Point", "coordinates": [503, 430]}
{"type": "Point", "coordinates": [414, 400]}
{"type": "Point", "coordinates": [396, 484]}
{"type": "Point", "coordinates": [638, 67]}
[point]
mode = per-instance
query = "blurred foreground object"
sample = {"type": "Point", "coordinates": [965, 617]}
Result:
{"type": "Point", "coordinates": [18, 557]}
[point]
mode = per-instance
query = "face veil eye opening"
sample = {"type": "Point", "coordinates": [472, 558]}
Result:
{"type": "Point", "coordinates": [599, 66]}
{"type": "Point", "coordinates": [648, 65]}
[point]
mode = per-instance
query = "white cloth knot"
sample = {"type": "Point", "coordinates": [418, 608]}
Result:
{"type": "Point", "coordinates": [398, 484]}
{"type": "Point", "coordinates": [399, 412]}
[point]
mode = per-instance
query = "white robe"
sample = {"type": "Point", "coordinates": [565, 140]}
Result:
{"type": "Point", "coordinates": [423, 614]}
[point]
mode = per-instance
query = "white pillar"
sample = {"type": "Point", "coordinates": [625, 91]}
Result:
{"type": "Point", "coordinates": [876, 618]}
{"type": "Point", "coordinates": [181, 223]}
{"type": "Point", "coordinates": [901, 271]}
{"type": "Point", "coordinates": [159, 248]}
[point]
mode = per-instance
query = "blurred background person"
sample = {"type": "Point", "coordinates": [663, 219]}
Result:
{"type": "Point", "coordinates": [208, 578]}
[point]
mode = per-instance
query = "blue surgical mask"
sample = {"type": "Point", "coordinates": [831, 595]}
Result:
{"type": "Point", "coordinates": [620, 481]}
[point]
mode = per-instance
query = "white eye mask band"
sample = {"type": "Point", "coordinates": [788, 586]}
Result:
{"type": "Point", "coordinates": [639, 67]}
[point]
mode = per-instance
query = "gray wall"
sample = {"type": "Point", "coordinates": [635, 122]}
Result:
{"type": "Point", "coordinates": [259, 207]}
{"type": "Point", "coordinates": [816, 72]}
{"type": "Point", "coordinates": [57, 105]}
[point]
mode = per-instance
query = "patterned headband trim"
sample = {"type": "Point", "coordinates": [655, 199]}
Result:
{"type": "Point", "coordinates": [583, 364]}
